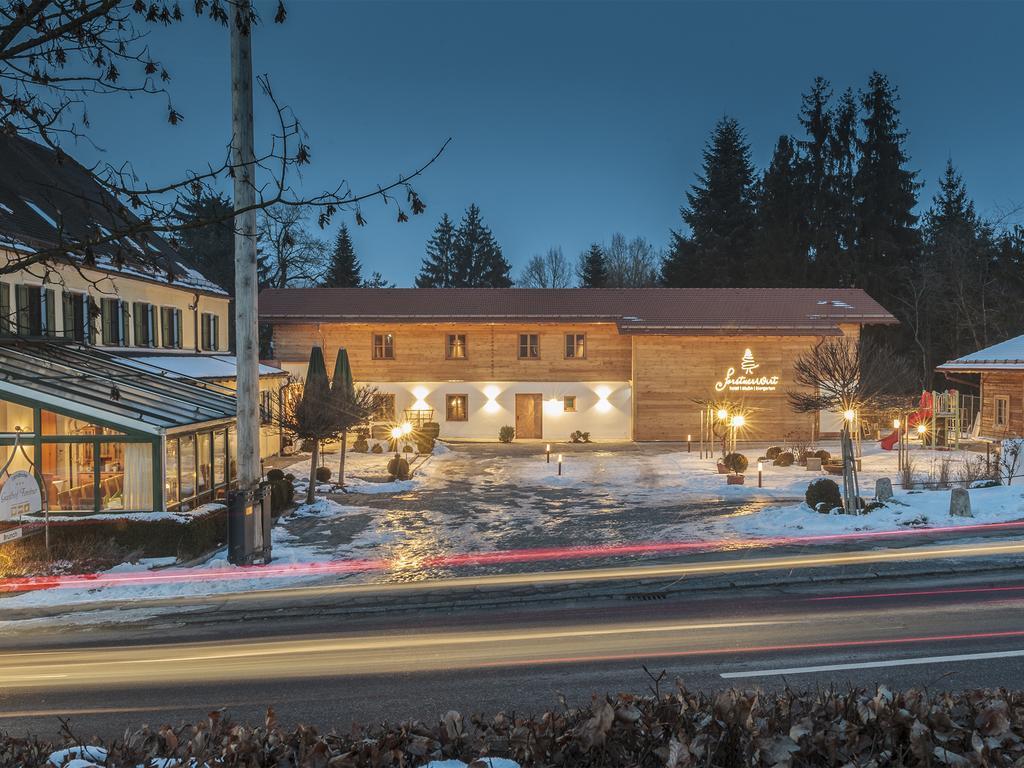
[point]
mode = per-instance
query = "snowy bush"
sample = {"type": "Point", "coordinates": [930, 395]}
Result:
{"type": "Point", "coordinates": [323, 474]}
{"type": "Point", "coordinates": [773, 453]}
{"type": "Point", "coordinates": [1011, 459]}
{"type": "Point", "coordinates": [823, 495]}
{"type": "Point", "coordinates": [785, 459]}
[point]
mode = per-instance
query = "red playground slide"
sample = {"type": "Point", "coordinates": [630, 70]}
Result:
{"type": "Point", "coordinates": [923, 413]}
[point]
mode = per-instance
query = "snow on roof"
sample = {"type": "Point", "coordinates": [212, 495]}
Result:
{"type": "Point", "coordinates": [212, 367]}
{"type": "Point", "coordinates": [1006, 356]}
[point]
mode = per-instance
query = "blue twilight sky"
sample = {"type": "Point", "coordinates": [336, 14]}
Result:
{"type": "Point", "coordinates": [573, 120]}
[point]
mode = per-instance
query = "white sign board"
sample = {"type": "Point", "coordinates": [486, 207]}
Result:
{"type": "Point", "coordinates": [11, 534]}
{"type": "Point", "coordinates": [20, 495]}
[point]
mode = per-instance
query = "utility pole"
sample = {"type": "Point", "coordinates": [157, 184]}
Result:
{"type": "Point", "coordinates": [246, 290]}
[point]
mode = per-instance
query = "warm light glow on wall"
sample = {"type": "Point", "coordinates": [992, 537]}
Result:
{"type": "Point", "coordinates": [420, 393]}
{"type": "Point", "coordinates": [491, 392]}
{"type": "Point", "coordinates": [552, 407]}
{"type": "Point", "coordinates": [603, 393]}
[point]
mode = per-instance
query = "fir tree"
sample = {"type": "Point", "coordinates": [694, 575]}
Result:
{"type": "Point", "coordinates": [817, 169]}
{"type": "Point", "coordinates": [437, 268]}
{"type": "Point", "coordinates": [782, 237]}
{"type": "Point", "coordinates": [211, 246]}
{"type": "Point", "coordinates": [720, 214]}
{"type": "Point", "coordinates": [344, 269]}
{"type": "Point", "coordinates": [885, 193]}
{"type": "Point", "coordinates": [592, 270]}
{"type": "Point", "coordinates": [478, 260]}
{"type": "Point", "coordinates": [833, 269]}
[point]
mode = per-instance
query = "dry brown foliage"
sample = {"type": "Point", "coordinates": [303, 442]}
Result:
{"type": "Point", "coordinates": [675, 730]}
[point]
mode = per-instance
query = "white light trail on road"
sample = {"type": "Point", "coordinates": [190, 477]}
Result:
{"type": "Point", "coordinates": [878, 664]}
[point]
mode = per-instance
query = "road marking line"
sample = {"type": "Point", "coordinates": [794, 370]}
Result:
{"type": "Point", "coordinates": [875, 664]}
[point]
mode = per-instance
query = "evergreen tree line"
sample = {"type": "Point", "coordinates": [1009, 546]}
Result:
{"type": "Point", "coordinates": [836, 208]}
{"type": "Point", "coordinates": [289, 254]}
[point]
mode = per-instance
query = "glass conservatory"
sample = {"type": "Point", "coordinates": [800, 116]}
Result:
{"type": "Point", "coordinates": [106, 436]}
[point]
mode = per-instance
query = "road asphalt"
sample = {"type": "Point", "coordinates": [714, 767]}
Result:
{"type": "Point", "coordinates": [331, 670]}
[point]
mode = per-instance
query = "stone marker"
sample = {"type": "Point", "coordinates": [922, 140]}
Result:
{"type": "Point", "coordinates": [814, 464]}
{"type": "Point", "coordinates": [960, 503]}
{"type": "Point", "coordinates": [883, 489]}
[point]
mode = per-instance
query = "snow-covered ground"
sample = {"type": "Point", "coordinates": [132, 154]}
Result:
{"type": "Point", "coordinates": [487, 498]}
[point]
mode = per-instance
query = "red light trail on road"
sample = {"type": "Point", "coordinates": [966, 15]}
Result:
{"type": "Point", "coordinates": [461, 560]}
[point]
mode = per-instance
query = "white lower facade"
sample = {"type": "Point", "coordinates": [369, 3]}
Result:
{"type": "Point", "coordinates": [602, 408]}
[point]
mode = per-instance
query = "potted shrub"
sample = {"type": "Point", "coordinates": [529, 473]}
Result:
{"type": "Point", "coordinates": [506, 434]}
{"type": "Point", "coordinates": [736, 464]}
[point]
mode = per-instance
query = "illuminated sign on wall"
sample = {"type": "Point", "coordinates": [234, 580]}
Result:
{"type": "Point", "coordinates": [747, 381]}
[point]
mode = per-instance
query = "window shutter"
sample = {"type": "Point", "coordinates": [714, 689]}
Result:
{"type": "Point", "coordinates": [125, 326]}
{"type": "Point", "coordinates": [49, 314]}
{"type": "Point", "coordinates": [67, 304]}
{"type": "Point", "coordinates": [177, 328]}
{"type": "Point", "coordinates": [5, 309]}
{"type": "Point", "coordinates": [21, 303]}
{"type": "Point", "coordinates": [216, 332]}
{"type": "Point", "coordinates": [87, 328]}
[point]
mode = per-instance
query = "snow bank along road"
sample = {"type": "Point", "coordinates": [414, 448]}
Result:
{"type": "Point", "coordinates": [331, 670]}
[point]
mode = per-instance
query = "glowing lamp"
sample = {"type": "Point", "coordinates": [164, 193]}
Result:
{"type": "Point", "coordinates": [921, 429]}
{"type": "Point", "coordinates": [895, 423]}
{"type": "Point", "coordinates": [849, 415]}
{"type": "Point", "coordinates": [738, 421]}
{"type": "Point", "coordinates": [406, 428]}
{"type": "Point", "coordinates": [722, 414]}
{"type": "Point", "coordinates": [760, 466]}
{"type": "Point", "coordinates": [396, 432]}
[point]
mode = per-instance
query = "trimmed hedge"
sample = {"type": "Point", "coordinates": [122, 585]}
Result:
{"type": "Point", "coordinates": [823, 495]}
{"type": "Point", "coordinates": [784, 459]}
{"type": "Point", "coordinates": [153, 538]}
{"type": "Point", "coordinates": [676, 728]}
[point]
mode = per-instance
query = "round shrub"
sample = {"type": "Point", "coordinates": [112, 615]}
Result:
{"type": "Point", "coordinates": [275, 475]}
{"type": "Point", "coordinates": [398, 468]}
{"type": "Point", "coordinates": [823, 495]}
{"type": "Point", "coordinates": [736, 462]}
{"type": "Point", "coordinates": [824, 455]}
{"type": "Point", "coordinates": [784, 459]}
{"type": "Point", "coordinates": [323, 474]}
{"type": "Point", "coordinates": [377, 448]}
{"type": "Point", "coordinates": [506, 434]}
{"type": "Point", "coordinates": [773, 453]}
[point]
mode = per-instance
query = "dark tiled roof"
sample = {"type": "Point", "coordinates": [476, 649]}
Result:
{"type": "Point", "coordinates": [43, 198]}
{"type": "Point", "coordinates": [634, 310]}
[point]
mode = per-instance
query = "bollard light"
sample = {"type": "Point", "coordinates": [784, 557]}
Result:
{"type": "Point", "coordinates": [688, 439]}
{"type": "Point", "coordinates": [559, 465]}
{"type": "Point", "coordinates": [895, 423]}
{"type": "Point", "coordinates": [760, 469]}
{"type": "Point", "coordinates": [547, 450]}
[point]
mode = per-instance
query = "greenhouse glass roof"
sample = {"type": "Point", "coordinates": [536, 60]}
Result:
{"type": "Point", "coordinates": [92, 383]}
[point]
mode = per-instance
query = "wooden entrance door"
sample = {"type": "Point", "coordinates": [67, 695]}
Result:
{"type": "Point", "coordinates": [530, 416]}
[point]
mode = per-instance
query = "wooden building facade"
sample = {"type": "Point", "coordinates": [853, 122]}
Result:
{"type": "Point", "coordinates": [623, 364]}
{"type": "Point", "coordinates": [1001, 371]}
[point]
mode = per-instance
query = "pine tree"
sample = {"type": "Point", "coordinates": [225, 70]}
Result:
{"type": "Point", "coordinates": [885, 193]}
{"type": "Point", "coordinates": [817, 168]}
{"type": "Point", "coordinates": [834, 269]}
{"type": "Point", "coordinates": [782, 236]}
{"type": "Point", "coordinates": [478, 260]}
{"type": "Point", "coordinates": [437, 268]}
{"type": "Point", "coordinates": [720, 214]}
{"type": "Point", "coordinates": [211, 246]}
{"type": "Point", "coordinates": [592, 270]}
{"type": "Point", "coordinates": [344, 269]}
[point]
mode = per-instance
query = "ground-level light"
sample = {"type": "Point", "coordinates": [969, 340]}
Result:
{"type": "Point", "coordinates": [547, 451]}
{"type": "Point", "coordinates": [406, 428]}
{"type": "Point", "coordinates": [559, 464]}
{"type": "Point", "coordinates": [895, 423]}
{"type": "Point", "coordinates": [760, 469]}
